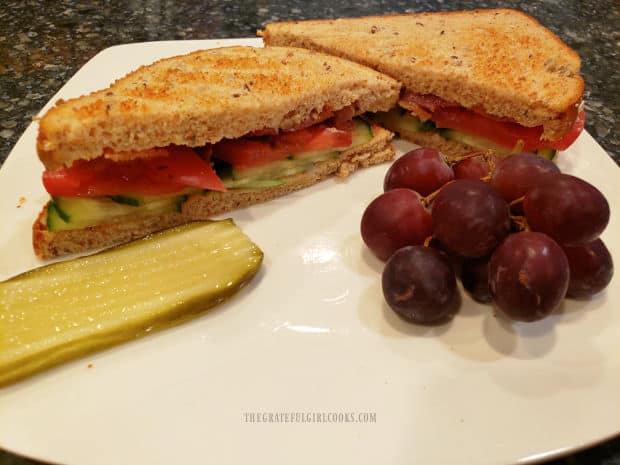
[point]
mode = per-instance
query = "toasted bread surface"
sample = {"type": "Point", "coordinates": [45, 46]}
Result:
{"type": "Point", "coordinates": [501, 62]}
{"type": "Point", "coordinates": [205, 96]}
{"type": "Point", "coordinates": [48, 244]}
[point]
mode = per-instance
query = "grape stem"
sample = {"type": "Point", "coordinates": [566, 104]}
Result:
{"type": "Point", "coordinates": [475, 154]}
{"type": "Point", "coordinates": [517, 201]}
{"type": "Point", "coordinates": [490, 159]}
{"type": "Point", "coordinates": [426, 201]}
{"type": "Point", "coordinates": [488, 156]}
{"type": "Point", "coordinates": [428, 240]}
{"type": "Point", "coordinates": [521, 222]}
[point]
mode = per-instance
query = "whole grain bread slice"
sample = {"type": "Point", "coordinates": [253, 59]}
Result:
{"type": "Point", "coordinates": [501, 62]}
{"type": "Point", "coordinates": [207, 95]}
{"type": "Point", "coordinates": [49, 244]}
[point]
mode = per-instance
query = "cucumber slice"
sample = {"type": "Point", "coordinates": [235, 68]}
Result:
{"type": "Point", "coordinates": [275, 173]}
{"type": "Point", "coordinates": [148, 201]}
{"type": "Point", "coordinates": [473, 141]}
{"type": "Point", "coordinates": [56, 218]}
{"type": "Point", "coordinates": [252, 183]}
{"type": "Point", "coordinates": [225, 172]}
{"type": "Point", "coordinates": [80, 212]}
{"type": "Point", "coordinates": [125, 199]}
{"type": "Point", "coordinates": [362, 132]}
{"type": "Point", "coordinates": [484, 144]}
{"type": "Point", "coordinates": [316, 156]}
{"type": "Point", "coordinates": [401, 121]}
{"type": "Point", "coordinates": [274, 170]}
{"type": "Point", "coordinates": [69, 309]}
{"type": "Point", "coordinates": [549, 154]}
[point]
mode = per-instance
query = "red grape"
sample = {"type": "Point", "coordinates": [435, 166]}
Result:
{"type": "Point", "coordinates": [419, 284]}
{"type": "Point", "coordinates": [591, 268]}
{"type": "Point", "coordinates": [475, 278]}
{"type": "Point", "coordinates": [517, 174]}
{"type": "Point", "coordinates": [567, 208]}
{"type": "Point", "coordinates": [393, 220]}
{"type": "Point", "coordinates": [471, 168]}
{"type": "Point", "coordinates": [423, 170]}
{"type": "Point", "coordinates": [528, 276]}
{"type": "Point", "coordinates": [470, 218]}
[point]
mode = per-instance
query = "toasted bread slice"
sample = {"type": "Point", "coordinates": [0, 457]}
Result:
{"type": "Point", "coordinates": [49, 244]}
{"type": "Point", "coordinates": [500, 62]}
{"type": "Point", "coordinates": [205, 96]}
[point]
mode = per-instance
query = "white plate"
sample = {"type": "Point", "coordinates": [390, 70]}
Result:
{"type": "Point", "coordinates": [312, 334]}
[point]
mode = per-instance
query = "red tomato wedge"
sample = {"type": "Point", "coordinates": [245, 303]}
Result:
{"type": "Point", "coordinates": [501, 132]}
{"type": "Point", "coordinates": [249, 153]}
{"type": "Point", "coordinates": [182, 168]}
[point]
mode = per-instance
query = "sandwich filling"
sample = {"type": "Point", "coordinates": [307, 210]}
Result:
{"type": "Point", "coordinates": [160, 180]}
{"type": "Point", "coordinates": [429, 113]}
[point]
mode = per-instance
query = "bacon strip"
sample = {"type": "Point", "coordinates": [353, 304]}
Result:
{"type": "Point", "coordinates": [341, 118]}
{"type": "Point", "coordinates": [415, 109]}
{"type": "Point", "coordinates": [430, 103]}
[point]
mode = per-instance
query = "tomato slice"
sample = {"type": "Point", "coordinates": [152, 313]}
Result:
{"type": "Point", "coordinates": [183, 166]}
{"type": "Point", "coordinates": [246, 153]}
{"type": "Point", "coordinates": [504, 133]}
{"type": "Point", "coordinates": [249, 153]}
{"type": "Point", "coordinates": [180, 169]}
{"type": "Point", "coordinates": [317, 137]}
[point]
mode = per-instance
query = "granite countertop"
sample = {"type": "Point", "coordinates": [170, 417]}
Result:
{"type": "Point", "coordinates": [42, 44]}
{"type": "Point", "coordinates": [42, 47]}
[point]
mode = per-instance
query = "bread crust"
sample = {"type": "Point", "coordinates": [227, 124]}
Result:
{"type": "Point", "coordinates": [49, 244]}
{"type": "Point", "coordinates": [501, 62]}
{"type": "Point", "coordinates": [207, 95]}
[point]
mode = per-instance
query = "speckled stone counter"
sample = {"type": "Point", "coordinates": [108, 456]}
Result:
{"type": "Point", "coordinates": [42, 44]}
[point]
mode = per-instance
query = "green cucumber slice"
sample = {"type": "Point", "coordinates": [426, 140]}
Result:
{"type": "Point", "coordinates": [316, 156]}
{"type": "Point", "coordinates": [125, 199]}
{"type": "Point", "coordinates": [549, 154]}
{"type": "Point", "coordinates": [56, 218]}
{"type": "Point", "coordinates": [362, 132]}
{"type": "Point", "coordinates": [274, 170]}
{"type": "Point", "coordinates": [401, 121]}
{"type": "Point", "coordinates": [485, 144]}
{"type": "Point", "coordinates": [275, 173]}
{"type": "Point", "coordinates": [80, 212]}
{"type": "Point", "coordinates": [252, 183]}
{"type": "Point", "coordinates": [473, 141]}
{"type": "Point", "coordinates": [69, 309]}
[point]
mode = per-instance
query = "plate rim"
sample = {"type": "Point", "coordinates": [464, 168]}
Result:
{"type": "Point", "coordinates": [232, 41]}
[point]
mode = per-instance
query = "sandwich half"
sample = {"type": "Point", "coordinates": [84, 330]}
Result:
{"type": "Point", "coordinates": [471, 80]}
{"type": "Point", "coordinates": [196, 135]}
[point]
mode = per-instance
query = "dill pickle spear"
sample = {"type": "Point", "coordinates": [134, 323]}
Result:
{"type": "Point", "coordinates": [68, 309]}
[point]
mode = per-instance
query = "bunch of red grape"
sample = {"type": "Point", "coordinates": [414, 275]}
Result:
{"type": "Point", "coordinates": [520, 234]}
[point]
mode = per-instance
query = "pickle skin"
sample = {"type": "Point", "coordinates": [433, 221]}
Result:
{"type": "Point", "coordinates": [119, 294]}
